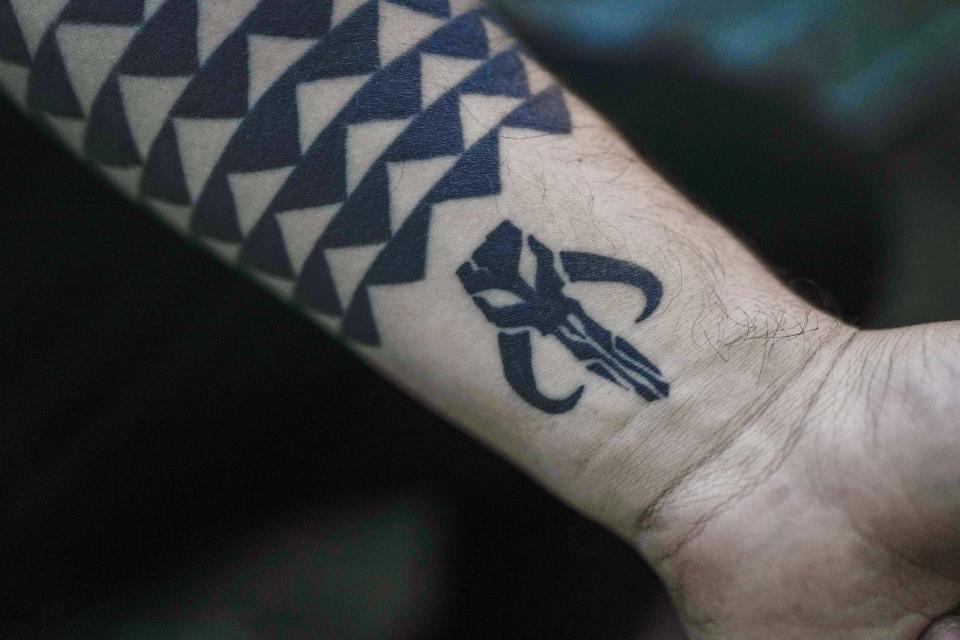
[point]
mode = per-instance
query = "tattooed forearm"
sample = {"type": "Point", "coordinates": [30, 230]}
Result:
{"type": "Point", "coordinates": [281, 129]}
{"type": "Point", "coordinates": [370, 160]}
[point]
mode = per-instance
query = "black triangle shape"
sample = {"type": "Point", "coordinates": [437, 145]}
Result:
{"type": "Point", "coordinates": [464, 37]}
{"type": "Point", "coordinates": [291, 19]}
{"type": "Point", "coordinates": [358, 323]}
{"type": "Point", "coordinates": [364, 219]}
{"type": "Point", "coordinates": [123, 12]}
{"type": "Point", "coordinates": [404, 259]}
{"type": "Point", "coordinates": [393, 93]}
{"type": "Point", "coordinates": [546, 112]}
{"type": "Point", "coordinates": [475, 175]}
{"type": "Point", "coordinates": [268, 137]}
{"type": "Point", "coordinates": [50, 89]}
{"type": "Point", "coordinates": [108, 138]}
{"type": "Point", "coordinates": [315, 287]}
{"type": "Point", "coordinates": [220, 88]}
{"type": "Point", "coordinates": [503, 75]}
{"type": "Point", "coordinates": [216, 211]}
{"type": "Point", "coordinates": [436, 132]}
{"type": "Point", "coordinates": [167, 44]}
{"type": "Point", "coordinates": [440, 8]}
{"type": "Point", "coordinates": [163, 175]}
{"type": "Point", "coordinates": [348, 50]}
{"type": "Point", "coordinates": [265, 249]}
{"type": "Point", "coordinates": [320, 179]}
{"type": "Point", "coordinates": [13, 48]}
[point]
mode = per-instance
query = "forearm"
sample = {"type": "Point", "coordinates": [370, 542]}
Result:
{"type": "Point", "coordinates": [356, 156]}
{"type": "Point", "coordinates": [746, 361]}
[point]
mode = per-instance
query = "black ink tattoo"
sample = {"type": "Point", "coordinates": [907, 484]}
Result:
{"type": "Point", "coordinates": [521, 309]}
{"type": "Point", "coordinates": [240, 121]}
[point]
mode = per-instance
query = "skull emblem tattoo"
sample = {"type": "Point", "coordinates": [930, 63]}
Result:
{"type": "Point", "coordinates": [542, 308]}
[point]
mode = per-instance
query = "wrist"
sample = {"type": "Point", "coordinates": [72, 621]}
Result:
{"type": "Point", "coordinates": [753, 375]}
{"type": "Point", "coordinates": [761, 396]}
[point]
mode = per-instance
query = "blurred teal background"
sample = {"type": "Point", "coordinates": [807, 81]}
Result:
{"type": "Point", "coordinates": [181, 456]}
{"type": "Point", "coordinates": [824, 132]}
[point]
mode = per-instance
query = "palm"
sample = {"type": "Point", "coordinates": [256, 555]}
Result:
{"type": "Point", "coordinates": [856, 535]}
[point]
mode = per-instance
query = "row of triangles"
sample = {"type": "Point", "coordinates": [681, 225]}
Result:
{"type": "Point", "coordinates": [315, 142]}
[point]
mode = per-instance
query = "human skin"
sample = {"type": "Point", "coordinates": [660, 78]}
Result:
{"type": "Point", "coordinates": [855, 534]}
{"type": "Point", "coordinates": [798, 481]}
{"type": "Point", "coordinates": [946, 629]}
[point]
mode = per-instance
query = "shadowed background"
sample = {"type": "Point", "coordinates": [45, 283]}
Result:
{"type": "Point", "coordinates": [183, 456]}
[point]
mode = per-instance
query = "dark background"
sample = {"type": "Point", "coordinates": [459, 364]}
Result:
{"type": "Point", "coordinates": [181, 455]}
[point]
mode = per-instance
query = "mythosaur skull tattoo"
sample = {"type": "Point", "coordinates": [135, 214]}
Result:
{"type": "Point", "coordinates": [493, 275]}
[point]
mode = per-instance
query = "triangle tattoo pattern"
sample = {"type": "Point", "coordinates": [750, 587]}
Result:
{"type": "Point", "coordinates": [279, 131]}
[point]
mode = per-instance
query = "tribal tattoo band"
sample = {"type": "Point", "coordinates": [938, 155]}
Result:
{"type": "Point", "coordinates": [276, 129]}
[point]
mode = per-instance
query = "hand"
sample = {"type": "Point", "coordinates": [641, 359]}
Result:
{"type": "Point", "coordinates": [855, 532]}
{"type": "Point", "coordinates": [790, 492]}
{"type": "Point", "coordinates": [946, 629]}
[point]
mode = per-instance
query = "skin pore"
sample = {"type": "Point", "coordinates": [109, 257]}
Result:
{"type": "Point", "coordinates": [786, 474]}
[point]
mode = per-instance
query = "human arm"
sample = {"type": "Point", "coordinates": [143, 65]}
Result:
{"type": "Point", "coordinates": [752, 370]}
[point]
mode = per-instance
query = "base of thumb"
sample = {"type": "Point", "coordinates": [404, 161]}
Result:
{"type": "Point", "coordinates": [944, 629]}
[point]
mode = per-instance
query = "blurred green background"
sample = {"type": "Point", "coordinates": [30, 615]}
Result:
{"type": "Point", "coordinates": [181, 456]}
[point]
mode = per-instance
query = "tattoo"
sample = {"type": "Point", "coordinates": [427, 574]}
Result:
{"type": "Point", "coordinates": [521, 309]}
{"type": "Point", "coordinates": [275, 130]}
